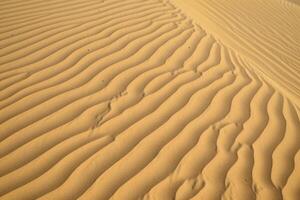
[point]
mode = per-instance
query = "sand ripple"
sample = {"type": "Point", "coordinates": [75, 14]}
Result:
{"type": "Point", "coordinates": [132, 100]}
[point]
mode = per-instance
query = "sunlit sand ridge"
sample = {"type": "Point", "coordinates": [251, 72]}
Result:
{"type": "Point", "coordinates": [266, 32]}
{"type": "Point", "coordinates": [149, 99]}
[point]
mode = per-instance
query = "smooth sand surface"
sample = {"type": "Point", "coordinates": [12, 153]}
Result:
{"type": "Point", "coordinates": [150, 99]}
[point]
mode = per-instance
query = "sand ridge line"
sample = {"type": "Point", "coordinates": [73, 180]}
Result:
{"type": "Point", "coordinates": [270, 44]}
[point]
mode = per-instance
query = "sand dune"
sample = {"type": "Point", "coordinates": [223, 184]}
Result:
{"type": "Point", "coordinates": [149, 100]}
{"type": "Point", "coordinates": [266, 32]}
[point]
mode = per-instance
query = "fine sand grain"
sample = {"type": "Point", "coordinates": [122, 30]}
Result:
{"type": "Point", "coordinates": [149, 99]}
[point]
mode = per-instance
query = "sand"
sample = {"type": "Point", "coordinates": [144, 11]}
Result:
{"type": "Point", "coordinates": [149, 99]}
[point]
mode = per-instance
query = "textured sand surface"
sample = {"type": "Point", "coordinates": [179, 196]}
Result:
{"type": "Point", "coordinates": [149, 99]}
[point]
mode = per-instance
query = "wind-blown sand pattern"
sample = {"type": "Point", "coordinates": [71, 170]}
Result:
{"type": "Point", "coordinates": [267, 32]}
{"type": "Point", "coordinates": [147, 99]}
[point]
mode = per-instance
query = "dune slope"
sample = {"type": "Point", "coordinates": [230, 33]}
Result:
{"type": "Point", "coordinates": [135, 99]}
{"type": "Point", "coordinates": [266, 32]}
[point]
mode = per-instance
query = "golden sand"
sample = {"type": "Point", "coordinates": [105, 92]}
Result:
{"type": "Point", "coordinates": [150, 99]}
